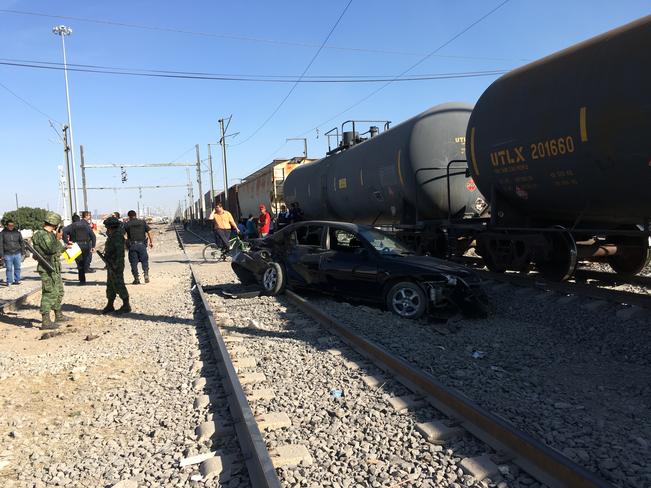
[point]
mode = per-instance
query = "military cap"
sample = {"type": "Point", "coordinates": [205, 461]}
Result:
{"type": "Point", "coordinates": [52, 218]}
{"type": "Point", "coordinates": [112, 223]}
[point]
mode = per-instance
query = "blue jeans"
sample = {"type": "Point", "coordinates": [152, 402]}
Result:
{"type": "Point", "coordinates": [12, 262]}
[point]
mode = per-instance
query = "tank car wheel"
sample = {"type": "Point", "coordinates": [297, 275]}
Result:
{"type": "Point", "coordinates": [407, 300]}
{"type": "Point", "coordinates": [634, 255]}
{"type": "Point", "coordinates": [561, 260]}
{"type": "Point", "coordinates": [484, 250]}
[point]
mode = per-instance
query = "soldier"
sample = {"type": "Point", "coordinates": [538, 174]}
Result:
{"type": "Point", "coordinates": [139, 237]}
{"type": "Point", "coordinates": [47, 242]}
{"type": "Point", "coordinates": [114, 255]}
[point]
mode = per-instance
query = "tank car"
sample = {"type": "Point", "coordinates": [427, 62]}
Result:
{"type": "Point", "coordinates": [397, 177]}
{"type": "Point", "coordinates": [561, 149]}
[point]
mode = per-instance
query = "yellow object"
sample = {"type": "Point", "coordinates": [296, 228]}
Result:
{"type": "Point", "coordinates": [71, 253]}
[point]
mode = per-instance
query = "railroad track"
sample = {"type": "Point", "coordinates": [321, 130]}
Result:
{"type": "Point", "coordinates": [541, 462]}
{"type": "Point", "coordinates": [586, 283]}
{"type": "Point", "coordinates": [14, 303]}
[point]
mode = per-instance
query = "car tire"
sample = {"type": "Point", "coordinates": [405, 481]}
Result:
{"type": "Point", "coordinates": [273, 279]}
{"type": "Point", "coordinates": [406, 299]}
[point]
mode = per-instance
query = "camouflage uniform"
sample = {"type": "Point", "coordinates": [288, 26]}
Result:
{"type": "Point", "coordinates": [50, 248]}
{"type": "Point", "coordinates": [114, 254]}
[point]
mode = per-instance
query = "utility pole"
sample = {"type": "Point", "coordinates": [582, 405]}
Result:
{"type": "Point", "coordinates": [16, 201]}
{"type": "Point", "coordinates": [66, 149]}
{"type": "Point", "coordinates": [222, 141]}
{"type": "Point", "coordinates": [212, 180]}
{"type": "Point", "coordinates": [83, 176]}
{"type": "Point", "coordinates": [190, 195]}
{"type": "Point", "coordinates": [202, 202]}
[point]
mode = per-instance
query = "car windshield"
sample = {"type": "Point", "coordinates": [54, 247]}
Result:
{"type": "Point", "coordinates": [384, 243]}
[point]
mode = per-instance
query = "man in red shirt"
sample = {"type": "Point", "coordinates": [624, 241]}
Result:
{"type": "Point", "coordinates": [264, 221]}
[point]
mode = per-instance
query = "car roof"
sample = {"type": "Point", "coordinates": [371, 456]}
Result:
{"type": "Point", "coordinates": [343, 225]}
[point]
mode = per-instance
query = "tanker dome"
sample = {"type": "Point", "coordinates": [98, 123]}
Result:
{"type": "Point", "coordinates": [396, 174]}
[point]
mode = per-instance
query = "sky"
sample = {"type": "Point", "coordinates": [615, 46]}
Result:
{"type": "Point", "coordinates": [132, 119]}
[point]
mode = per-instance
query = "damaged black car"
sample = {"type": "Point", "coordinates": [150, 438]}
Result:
{"type": "Point", "coordinates": [361, 263]}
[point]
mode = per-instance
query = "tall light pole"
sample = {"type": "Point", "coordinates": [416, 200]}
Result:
{"type": "Point", "coordinates": [63, 31]}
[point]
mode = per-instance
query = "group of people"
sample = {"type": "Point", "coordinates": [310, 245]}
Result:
{"type": "Point", "coordinates": [252, 227]}
{"type": "Point", "coordinates": [53, 239]}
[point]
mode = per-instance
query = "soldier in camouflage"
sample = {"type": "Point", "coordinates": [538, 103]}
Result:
{"type": "Point", "coordinates": [47, 242]}
{"type": "Point", "coordinates": [114, 255]}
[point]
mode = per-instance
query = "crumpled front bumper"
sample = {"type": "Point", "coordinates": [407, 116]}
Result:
{"type": "Point", "coordinates": [253, 262]}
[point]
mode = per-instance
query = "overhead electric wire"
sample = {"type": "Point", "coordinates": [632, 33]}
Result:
{"type": "Point", "coordinates": [244, 78]}
{"type": "Point", "coordinates": [255, 77]}
{"type": "Point", "coordinates": [309, 65]}
{"type": "Point", "coordinates": [29, 104]}
{"type": "Point", "coordinates": [404, 72]}
{"type": "Point", "coordinates": [235, 37]}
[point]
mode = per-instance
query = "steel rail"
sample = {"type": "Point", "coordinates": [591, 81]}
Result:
{"type": "Point", "coordinates": [571, 288]}
{"type": "Point", "coordinates": [540, 461]}
{"type": "Point", "coordinates": [258, 461]}
{"type": "Point", "coordinates": [14, 303]}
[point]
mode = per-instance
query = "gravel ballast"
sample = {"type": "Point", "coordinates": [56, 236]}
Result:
{"type": "Point", "coordinates": [575, 378]}
{"type": "Point", "coordinates": [110, 399]}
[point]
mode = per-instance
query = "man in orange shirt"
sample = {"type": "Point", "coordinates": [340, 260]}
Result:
{"type": "Point", "coordinates": [264, 221]}
{"type": "Point", "coordinates": [222, 224]}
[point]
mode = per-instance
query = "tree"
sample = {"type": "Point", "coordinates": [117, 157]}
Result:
{"type": "Point", "coordinates": [26, 217]}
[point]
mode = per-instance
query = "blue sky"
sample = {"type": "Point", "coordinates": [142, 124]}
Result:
{"type": "Point", "coordinates": [134, 119]}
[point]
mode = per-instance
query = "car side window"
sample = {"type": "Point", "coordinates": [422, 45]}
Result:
{"type": "Point", "coordinates": [309, 235]}
{"type": "Point", "coordinates": [344, 241]}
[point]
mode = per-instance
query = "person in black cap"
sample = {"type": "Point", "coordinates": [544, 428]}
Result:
{"type": "Point", "coordinates": [80, 232]}
{"type": "Point", "coordinates": [138, 239]}
{"type": "Point", "coordinates": [114, 256]}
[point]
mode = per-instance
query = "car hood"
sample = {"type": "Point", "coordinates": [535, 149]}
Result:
{"type": "Point", "coordinates": [428, 264]}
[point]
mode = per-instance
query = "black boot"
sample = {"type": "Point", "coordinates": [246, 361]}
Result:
{"type": "Point", "coordinates": [47, 324]}
{"type": "Point", "coordinates": [59, 317]}
{"type": "Point", "coordinates": [109, 308]}
{"type": "Point", "coordinates": [125, 308]}
{"type": "Point", "coordinates": [146, 276]}
{"type": "Point", "coordinates": [136, 280]}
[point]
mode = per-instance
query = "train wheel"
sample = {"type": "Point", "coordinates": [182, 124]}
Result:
{"type": "Point", "coordinates": [484, 249]}
{"type": "Point", "coordinates": [560, 262]}
{"type": "Point", "coordinates": [632, 254]}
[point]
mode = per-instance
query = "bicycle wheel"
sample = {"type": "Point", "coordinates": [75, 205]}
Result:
{"type": "Point", "coordinates": [212, 253]}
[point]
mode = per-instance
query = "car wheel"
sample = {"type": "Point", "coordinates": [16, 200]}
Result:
{"type": "Point", "coordinates": [273, 279]}
{"type": "Point", "coordinates": [406, 299]}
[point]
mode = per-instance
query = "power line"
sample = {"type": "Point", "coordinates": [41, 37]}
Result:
{"type": "Point", "coordinates": [419, 62]}
{"type": "Point", "coordinates": [309, 65]}
{"type": "Point", "coordinates": [245, 78]}
{"type": "Point", "coordinates": [238, 37]}
{"type": "Point", "coordinates": [30, 105]}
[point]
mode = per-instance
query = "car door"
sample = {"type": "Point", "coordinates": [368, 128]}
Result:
{"type": "Point", "coordinates": [348, 266]}
{"type": "Point", "coordinates": [303, 255]}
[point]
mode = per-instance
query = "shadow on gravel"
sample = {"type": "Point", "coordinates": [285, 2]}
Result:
{"type": "Point", "coordinates": [169, 319]}
{"type": "Point", "coordinates": [14, 319]}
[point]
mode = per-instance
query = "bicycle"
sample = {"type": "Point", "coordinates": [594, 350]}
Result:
{"type": "Point", "coordinates": [213, 252]}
